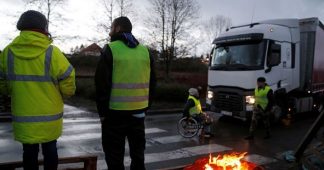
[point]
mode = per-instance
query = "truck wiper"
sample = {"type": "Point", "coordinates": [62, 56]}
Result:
{"type": "Point", "coordinates": [232, 67]}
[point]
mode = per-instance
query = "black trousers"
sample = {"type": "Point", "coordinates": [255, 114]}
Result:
{"type": "Point", "coordinates": [30, 156]}
{"type": "Point", "coordinates": [115, 129]}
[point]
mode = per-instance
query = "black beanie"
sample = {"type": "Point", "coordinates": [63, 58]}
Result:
{"type": "Point", "coordinates": [261, 80]}
{"type": "Point", "coordinates": [32, 20]}
{"type": "Point", "coordinates": [124, 23]}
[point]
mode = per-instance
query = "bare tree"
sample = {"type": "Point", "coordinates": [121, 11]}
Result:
{"type": "Point", "coordinates": [113, 9]}
{"type": "Point", "coordinates": [125, 7]}
{"type": "Point", "coordinates": [215, 26]}
{"type": "Point", "coordinates": [109, 7]}
{"type": "Point", "coordinates": [48, 7]}
{"type": "Point", "coordinates": [171, 20]}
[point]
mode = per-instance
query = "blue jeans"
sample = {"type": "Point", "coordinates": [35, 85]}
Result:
{"type": "Point", "coordinates": [30, 156]}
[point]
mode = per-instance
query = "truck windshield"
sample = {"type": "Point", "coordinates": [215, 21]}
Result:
{"type": "Point", "coordinates": [241, 56]}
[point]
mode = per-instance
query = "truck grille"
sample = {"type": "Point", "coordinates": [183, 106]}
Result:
{"type": "Point", "coordinates": [228, 101]}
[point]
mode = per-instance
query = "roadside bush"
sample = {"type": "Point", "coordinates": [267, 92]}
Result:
{"type": "Point", "coordinates": [85, 88]}
{"type": "Point", "coordinates": [171, 92]}
{"type": "Point", "coordinates": [189, 65]}
{"type": "Point", "coordinates": [84, 65]}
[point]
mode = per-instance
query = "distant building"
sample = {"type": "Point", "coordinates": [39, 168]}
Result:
{"type": "Point", "coordinates": [91, 50]}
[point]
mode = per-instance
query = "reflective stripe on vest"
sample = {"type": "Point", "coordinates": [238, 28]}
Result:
{"type": "Point", "coordinates": [66, 74]}
{"type": "Point", "coordinates": [261, 96]}
{"type": "Point", "coordinates": [34, 119]}
{"type": "Point", "coordinates": [128, 98]}
{"type": "Point", "coordinates": [197, 108]}
{"type": "Point", "coordinates": [130, 77]}
{"type": "Point", "coordinates": [37, 78]}
{"type": "Point", "coordinates": [130, 85]}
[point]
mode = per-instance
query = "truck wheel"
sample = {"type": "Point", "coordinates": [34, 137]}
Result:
{"type": "Point", "coordinates": [319, 104]}
{"type": "Point", "coordinates": [320, 107]}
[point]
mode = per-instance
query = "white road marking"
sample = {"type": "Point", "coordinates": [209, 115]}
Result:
{"type": "Point", "coordinates": [180, 153]}
{"type": "Point", "coordinates": [74, 128]}
{"type": "Point", "coordinates": [95, 135]}
{"type": "Point", "coordinates": [154, 130]}
{"type": "Point", "coordinates": [83, 136]}
{"type": "Point", "coordinates": [172, 139]}
{"type": "Point", "coordinates": [259, 160]}
{"type": "Point", "coordinates": [66, 121]}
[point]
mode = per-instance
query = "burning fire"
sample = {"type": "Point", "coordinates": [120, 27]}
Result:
{"type": "Point", "coordinates": [232, 161]}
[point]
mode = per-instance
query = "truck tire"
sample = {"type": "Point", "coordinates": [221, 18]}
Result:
{"type": "Point", "coordinates": [319, 102]}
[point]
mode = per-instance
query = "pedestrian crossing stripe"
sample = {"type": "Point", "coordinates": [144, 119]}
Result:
{"type": "Point", "coordinates": [259, 160]}
{"type": "Point", "coordinates": [83, 120]}
{"type": "Point", "coordinates": [78, 127]}
{"type": "Point", "coordinates": [181, 153]}
{"type": "Point", "coordinates": [96, 135]}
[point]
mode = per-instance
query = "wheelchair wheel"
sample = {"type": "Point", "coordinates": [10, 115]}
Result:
{"type": "Point", "coordinates": [188, 127]}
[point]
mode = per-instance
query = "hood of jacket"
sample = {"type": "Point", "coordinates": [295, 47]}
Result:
{"type": "Point", "coordinates": [127, 38]}
{"type": "Point", "coordinates": [29, 45]}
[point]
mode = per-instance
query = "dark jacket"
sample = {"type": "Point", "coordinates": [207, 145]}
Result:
{"type": "Point", "coordinates": [103, 77]}
{"type": "Point", "coordinates": [270, 100]}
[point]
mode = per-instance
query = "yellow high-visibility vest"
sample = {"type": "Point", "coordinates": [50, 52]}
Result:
{"type": "Point", "coordinates": [130, 77]}
{"type": "Point", "coordinates": [261, 96]}
{"type": "Point", "coordinates": [197, 108]}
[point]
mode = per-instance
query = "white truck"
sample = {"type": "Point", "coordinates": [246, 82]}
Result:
{"type": "Point", "coordinates": [289, 53]}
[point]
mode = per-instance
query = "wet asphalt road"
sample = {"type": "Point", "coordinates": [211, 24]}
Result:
{"type": "Point", "coordinates": [165, 147]}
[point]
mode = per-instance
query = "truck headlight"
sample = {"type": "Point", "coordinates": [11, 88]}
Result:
{"type": "Point", "coordinates": [250, 99]}
{"type": "Point", "coordinates": [210, 94]}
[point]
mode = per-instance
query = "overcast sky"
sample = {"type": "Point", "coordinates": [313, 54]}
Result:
{"type": "Point", "coordinates": [81, 16]}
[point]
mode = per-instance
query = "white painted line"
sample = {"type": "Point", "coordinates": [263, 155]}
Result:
{"type": "Point", "coordinates": [180, 153]}
{"type": "Point", "coordinates": [66, 121]}
{"type": "Point", "coordinates": [69, 107]}
{"type": "Point", "coordinates": [94, 135]}
{"type": "Point", "coordinates": [80, 127]}
{"type": "Point", "coordinates": [154, 130]}
{"type": "Point", "coordinates": [83, 136]}
{"type": "Point", "coordinates": [259, 160]}
{"type": "Point", "coordinates": [172, 139]}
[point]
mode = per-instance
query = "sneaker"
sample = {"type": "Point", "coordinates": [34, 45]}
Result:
{"type": "Point", "coordinates": [250, 137]}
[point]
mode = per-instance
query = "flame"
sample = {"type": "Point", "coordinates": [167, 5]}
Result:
{"type": "Point", "coordinates": [208, 167]}
{"type": "Point", "coordinates": [232, 161]}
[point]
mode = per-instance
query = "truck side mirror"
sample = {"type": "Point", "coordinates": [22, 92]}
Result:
{"type": "Point", "coordinates": [211, 56]}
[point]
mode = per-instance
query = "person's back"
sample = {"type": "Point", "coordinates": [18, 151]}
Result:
{"type": "Point", "coordinates": [37, 76]}
{"type": "Point", "coordinates": [124, 80]}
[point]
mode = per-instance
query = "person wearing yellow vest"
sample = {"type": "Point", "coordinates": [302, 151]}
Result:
{"type": "Point", "coordinates": [193, 109]}
{"type": "Point", "coordinates": [124, 82]}
{"type": "Point", "coordinates": [36, 75]}
{"type": "Point", "coordinates": [263, 104]}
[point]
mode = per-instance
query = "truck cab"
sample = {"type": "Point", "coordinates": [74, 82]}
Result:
{"type": "Point", "coordinates": [240, 55]}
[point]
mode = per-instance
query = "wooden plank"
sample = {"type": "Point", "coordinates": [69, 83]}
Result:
{"type": "Point", "coordinates": [90, 162]}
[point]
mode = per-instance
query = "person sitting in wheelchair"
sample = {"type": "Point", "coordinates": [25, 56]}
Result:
{"type": "Point", "coordinates": [193, 109]}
